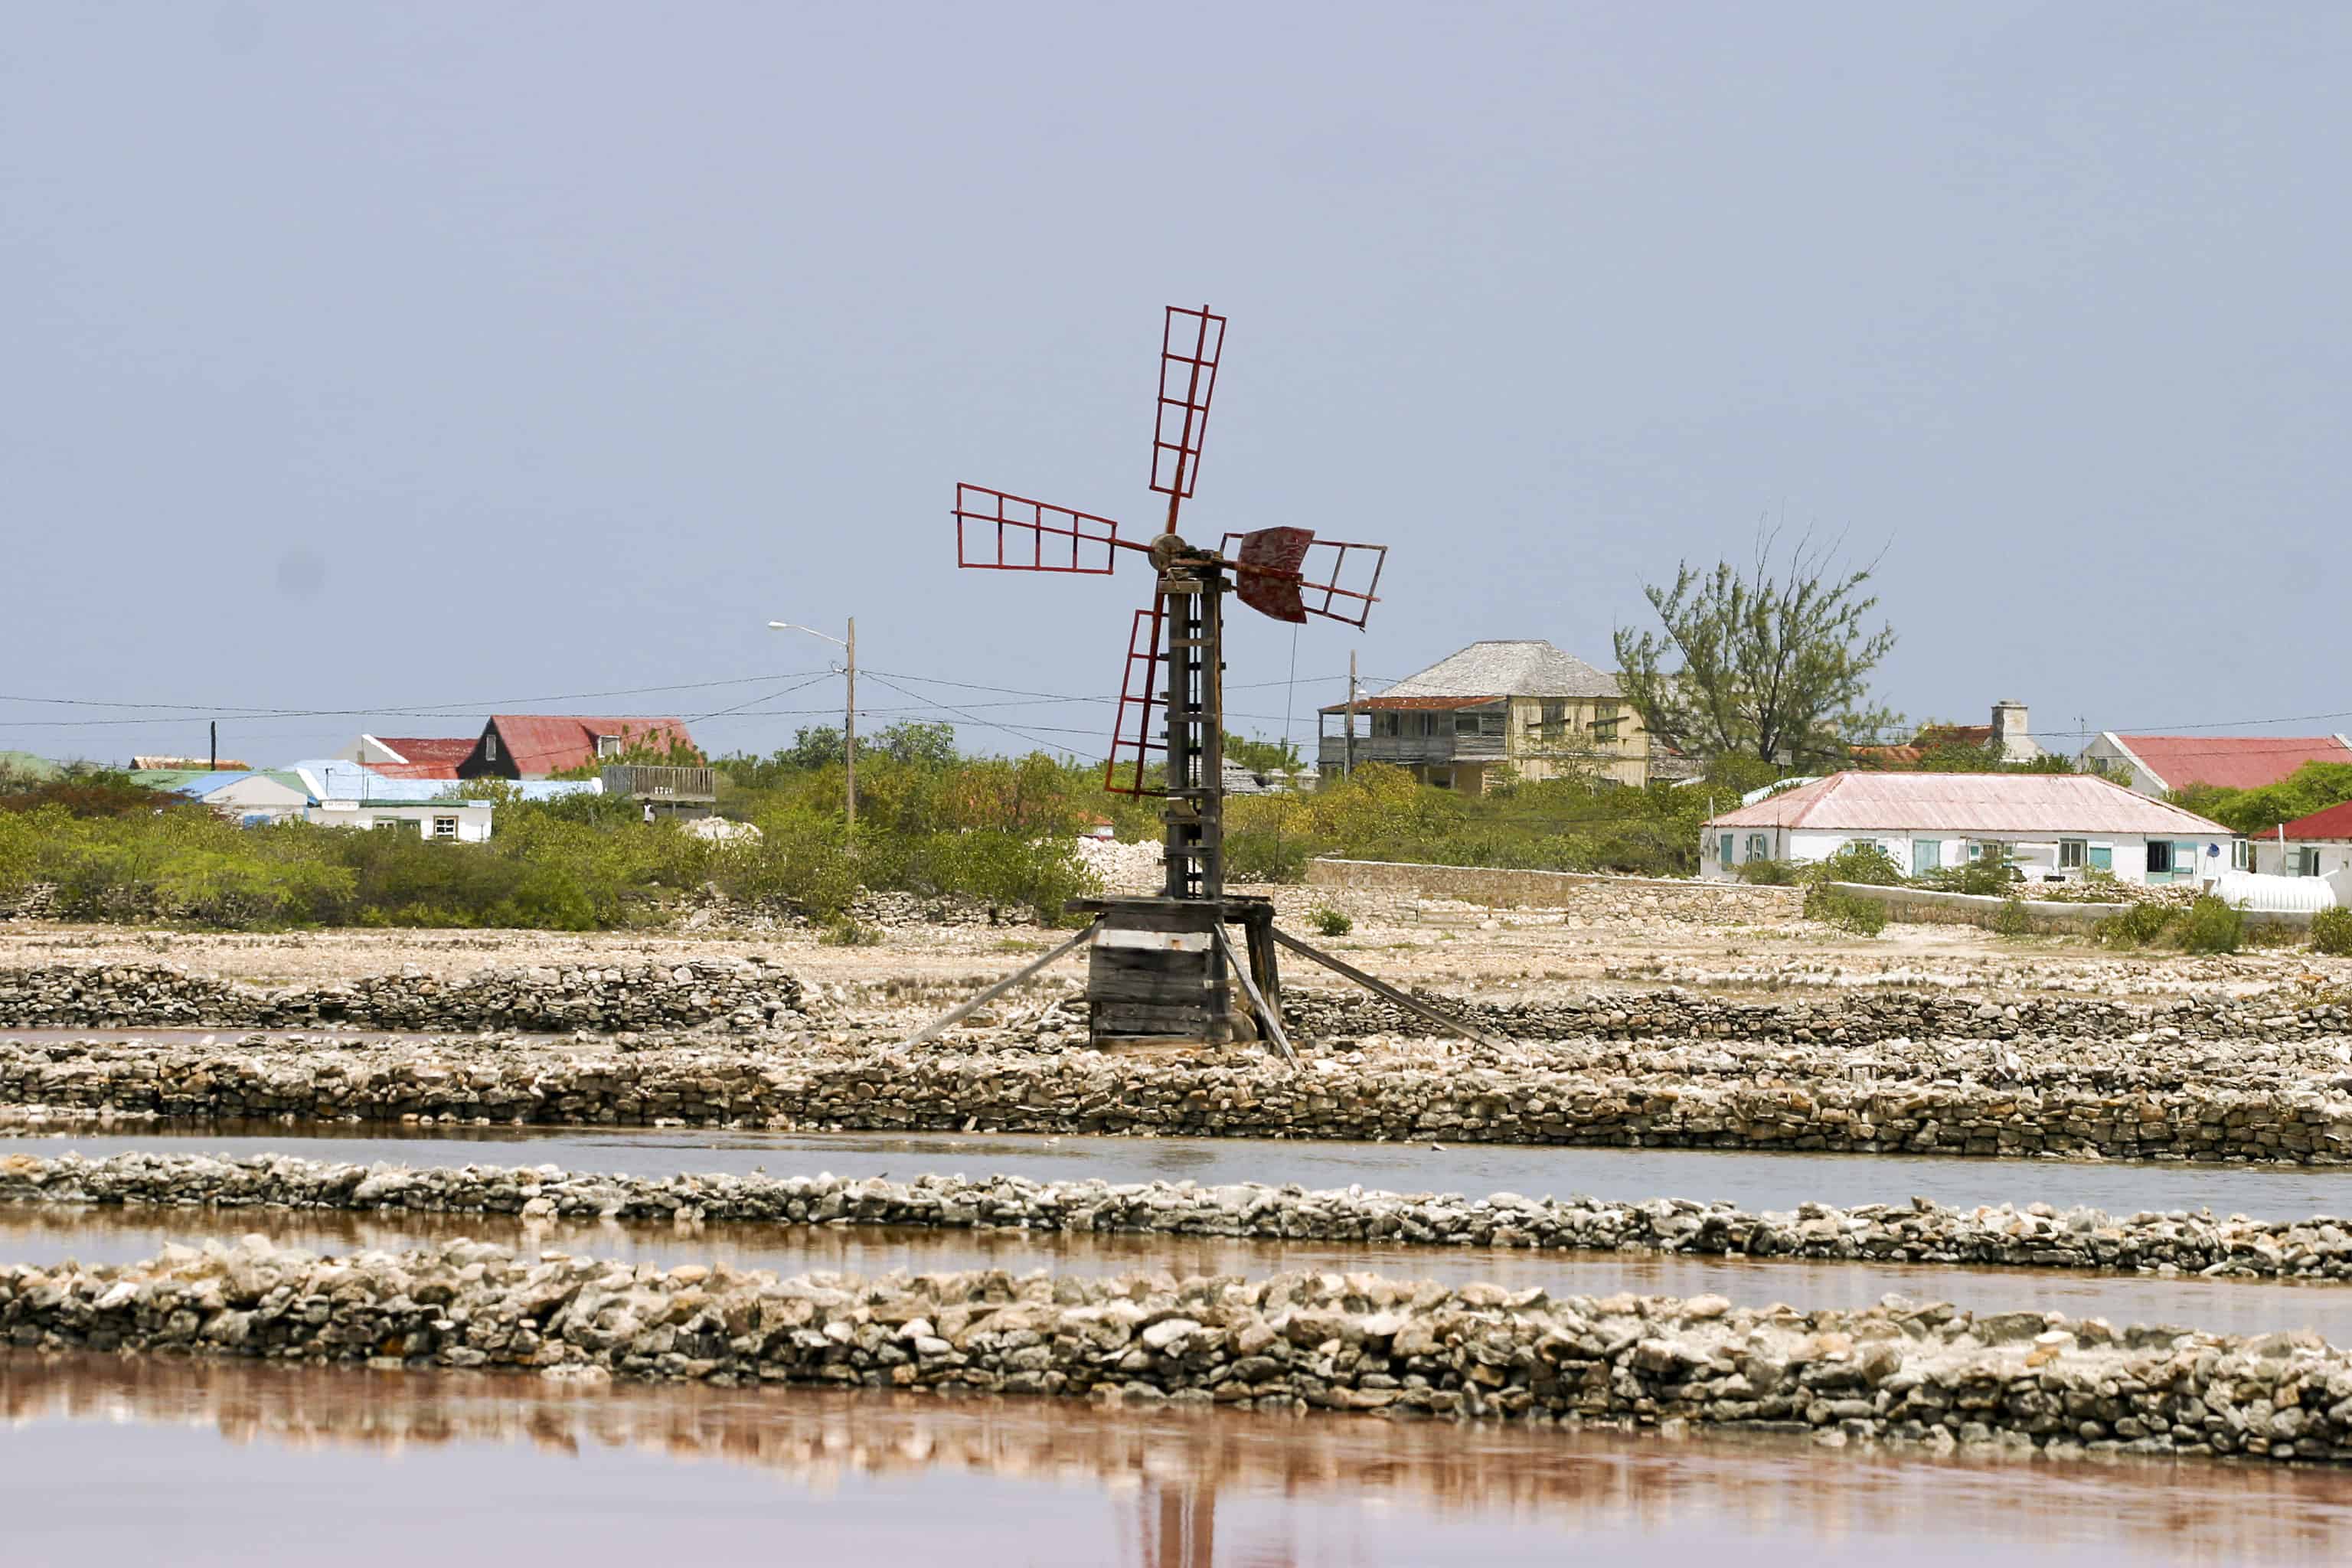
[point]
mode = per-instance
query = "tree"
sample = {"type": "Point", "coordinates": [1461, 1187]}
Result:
{"type": "Point", "coordinates": [1771, 664]}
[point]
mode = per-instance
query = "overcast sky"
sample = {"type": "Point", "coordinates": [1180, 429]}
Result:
{"type": "Point", "coordinates": [458, 357]}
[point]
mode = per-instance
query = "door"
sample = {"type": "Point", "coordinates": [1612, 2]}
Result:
{"type": "Point", "coordinates": [1927, 854]}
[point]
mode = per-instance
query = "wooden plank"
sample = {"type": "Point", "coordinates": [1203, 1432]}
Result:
{"type": "Point", "coordinates": [957, 1015]}
{"type": "Point", "coordinates": [1382, 988]}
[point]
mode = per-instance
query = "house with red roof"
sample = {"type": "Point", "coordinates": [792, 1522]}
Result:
{"type": "Point", "coordinates": [2157, 763]}
{"type": "Point", "coordinates": [534, 745]}
{"type": "Point", "coordinates": [409, 756]}
{"type": "Point", "coordinates": [2053, 828]}
{"type": "Point", "coordinates": [2319, 845]}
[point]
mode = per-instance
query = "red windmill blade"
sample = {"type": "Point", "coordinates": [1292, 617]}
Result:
{"type": "Point", "coordinates": [1290, 574]}
{"type": "Point", "coordinates": [1000, 532]}
{"type": "Point", "coordinates": [1191, 343]}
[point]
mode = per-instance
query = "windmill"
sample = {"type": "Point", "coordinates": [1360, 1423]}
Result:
{"type": "Point", "coordinates": [1164, 967]}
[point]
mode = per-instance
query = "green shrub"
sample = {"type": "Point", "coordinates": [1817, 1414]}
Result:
{"type": "Point", "coordinates": [847, 932]}
{"type": "Point", "coordinates": [1854, 912]}
{"type": "Point", "coordinates": [1331, 923]}
{"type": "Point", "coordinates": [1865, 863]}
{"type": "Point", "coordinates": [2011, 919]}
{"type": "Point", "coordinates": [2331, 933]}
{"type": "Point", "coordinates": [2136, 927]}
{"type": "Point", "coordinates": [1768, 873]}
{"type": "Point", "coordinates": [2213, 925]}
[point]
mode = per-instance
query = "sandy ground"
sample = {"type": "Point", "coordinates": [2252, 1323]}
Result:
{"type": "Point", "coordinates": [1745, 943]}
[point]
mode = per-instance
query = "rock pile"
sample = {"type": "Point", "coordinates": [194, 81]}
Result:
{"type": "Point", "coordinates": [1900, 1371]}
{"type": "Point", "coordinates": [1820, 1099]}
{"type": "Point", "coordinates": [2036, 1236]}
{"type": "Point", "coordinates": [744, 993]}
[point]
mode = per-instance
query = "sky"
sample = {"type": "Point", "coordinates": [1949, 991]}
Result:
{"type": "Point", "coordinates": [378, 368]}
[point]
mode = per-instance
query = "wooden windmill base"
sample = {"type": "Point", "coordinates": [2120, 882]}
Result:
{"type": "Point", "coordinates": [1163, 971]}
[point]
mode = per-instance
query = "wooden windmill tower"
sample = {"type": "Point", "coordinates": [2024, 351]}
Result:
{"type": "Point", "coordinates": [1164, 967]}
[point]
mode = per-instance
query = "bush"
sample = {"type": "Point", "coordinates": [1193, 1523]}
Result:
{"type": "Point", "coordinates": [2331, 933]}
{"type": "Point", "coordinates": [847, 932]}
{"type": "Point", "coordinates": [2011, 919]}
{"type": "Point", "coordinates": [1331, 923]}
{"type": "Point", "coordinates": [2214, 925]}
{"type": "Point", "coordinates": [1769, 873]}
{"type": "Point", "coordinates": [1865, 863]}
{"type": "Point", "coordinates": [2136, 927]}
{"type": "Point", "coordinates": [1848, 911]}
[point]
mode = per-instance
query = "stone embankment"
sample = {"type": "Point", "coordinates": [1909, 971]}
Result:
{"type": "Point", "coordinates": [744, 993]}
{"type": "Point", "coordinates": [1900, 1371]}
{"type": "Point", "coordinates": [2036, 1236]}
{"type": "Point", "coordinates": [1819, 1102]}
{"type": "Point", "coordinates": [1843, 1019]}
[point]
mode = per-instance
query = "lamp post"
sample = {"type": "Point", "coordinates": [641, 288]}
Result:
{"type": "Point", "coordinates": [849, 709]}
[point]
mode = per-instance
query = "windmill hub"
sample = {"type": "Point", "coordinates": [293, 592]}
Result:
{"type": "Point", "coordinates": [1164, 967]}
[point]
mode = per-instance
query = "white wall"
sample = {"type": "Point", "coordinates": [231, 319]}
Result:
{"type": "Point", "coordinates": [473, 820]}
{"type": "Point", "coordinates": [2335, 855]}
{"type": "Point", "coordinates": [2035, 854]}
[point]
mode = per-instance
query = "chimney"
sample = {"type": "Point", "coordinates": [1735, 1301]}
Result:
{"type": "Point", "coordinates": [2013, 732]}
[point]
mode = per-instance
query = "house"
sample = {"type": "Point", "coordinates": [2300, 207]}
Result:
{"type": "Point", "coordinates": [447, 821]}
{"type": "Point", "coordinates": [2052, 826]}
{"type": "Point", "coordinates": [333, 779]}
{"type": "Point", "coordinates": [1522, 704]}
{"type": "Point", "coordinates": [409, 756]}
{"type": "Point", "coordinates": [2157, 763]}
{"type": "Point", "coordinates": [533, 745]}
{"type": "Point", "coordinates": [2319, 845]}
{"type": "Point", "coordinates": [246, 798]}
{"type": "Point", "coordinates": [2011, 727]}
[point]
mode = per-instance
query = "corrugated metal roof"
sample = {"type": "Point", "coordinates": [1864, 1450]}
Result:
{"type": "Point", "coordinates": [201, 782]}
{"type": "Point", "coordinates": [2335, 822]}
{"type": "Point", "coordinates": [1531, 667]}
{"type": "Point", "coordinates": [556, 742]}
{"type": "Point", "coordinates": [333, 778]}
{"type": "Point", "coordinates": [425, 756]}
{"type": "Point", "coordinates": [1970, 803]}
{"type": "Point", "coordinates": [1385, 703]}
{"type": "Point", "coordinates": [2233, 761]}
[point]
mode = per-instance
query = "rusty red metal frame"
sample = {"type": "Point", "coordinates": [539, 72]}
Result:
{"type": "Point", "coordinates": [1143, 645]}
{"type": "Point", "coordinates": [1187, 381]}
{"type": "Point", "coordinates": [992, 526]}
{"type": "Point", "coordinates": [1314, 578]}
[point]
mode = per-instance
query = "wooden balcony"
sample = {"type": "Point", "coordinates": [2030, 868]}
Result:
{"type": "Point", "coordinates": [696, 786]}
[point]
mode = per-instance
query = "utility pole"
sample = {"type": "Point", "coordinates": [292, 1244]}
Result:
{"type": "Point", "coordinates": [849, 728]}
{"type": "Point", "coordinates": [1348, 754]}
{"type": "Point", "coordinates": [849, 710]}
{"type": "Point", "coordinates": [214, 764]}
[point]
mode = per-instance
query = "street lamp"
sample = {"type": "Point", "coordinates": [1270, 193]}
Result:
{"type": "Point", "coordinates": [849, 710]}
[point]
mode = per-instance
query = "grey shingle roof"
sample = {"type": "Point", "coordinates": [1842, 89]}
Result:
{"type": "Point", "coordinates": [1532, 667]}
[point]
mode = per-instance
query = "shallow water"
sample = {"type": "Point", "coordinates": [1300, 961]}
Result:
{"type": "Point", "coordinates": [42, 1234]}
{"type": "Point", "coordinates": [107, 1459]}
{"type": "Point", "coordinates": [1750, 1180]}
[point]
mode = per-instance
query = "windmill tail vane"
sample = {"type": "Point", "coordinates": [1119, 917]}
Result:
{"type": "Point", "coordinates": [1172, 695]}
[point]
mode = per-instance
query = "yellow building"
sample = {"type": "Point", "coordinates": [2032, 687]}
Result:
{"type": "Point", "coordinates": [1524, 705]}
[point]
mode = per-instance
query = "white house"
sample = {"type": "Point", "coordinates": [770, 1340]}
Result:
{"type": "Point", "coordinates": [2157, 763]}
{"type": "Point", "coordinates": [2052, 826]}
{"type": "Point", "coordinates": [450, 821]}
{"type": "Point", "coordinates": [2319, 845]}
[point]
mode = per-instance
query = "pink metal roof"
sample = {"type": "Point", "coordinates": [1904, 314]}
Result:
{"type": "Point", "coordinates": [2335, 822]}
{"type": "Point", "coordinates": [543, 743]}
{"type": "Point", "coordinates": [1969, 803]}
{"type": "Point", "coordinates": [2234, 762]}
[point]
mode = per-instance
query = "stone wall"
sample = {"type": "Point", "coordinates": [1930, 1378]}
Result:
{"type": "Point", "coordinates": [1899, 1372]}
{"type": "Point", "coordinates": [742, 992]}
{"type": "Point", "coordinates": [2035, 1237]}
{"type": "Point", "coordinates": [1708, 901]}
{"type": "Point", "coordinates": [1710, 1099]}
{"type": "Point", "coordinates": [2043, 915]}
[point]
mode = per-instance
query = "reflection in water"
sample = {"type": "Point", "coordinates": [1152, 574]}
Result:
{"type": "Point", "coordinates": [42, 1233]}
{"type": "Point", "coordinates": [1186, 1489]}
{"type": "Point", "coordinates": [1769, 1181]}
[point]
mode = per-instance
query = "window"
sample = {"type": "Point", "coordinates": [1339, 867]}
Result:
{"type": "Point", "coordinates": [1927, 854]}
{"type": "Point", "coordinates": [1757, 847]}
{"type": "Point", "coordinates": [445, 827]}
{"type": "Point", "coordinates": [2237, 854]}
{"type": "Point", "coordinates": [1493, 724]}
{"type": "Point", "coordinates": [2102, 857]}
{"type": "Point", "coordinates": [608, 745]}
{"type": "Point", "coordinates": [2159, 857]}
{"type": "Point", "coordinates": [1384, 723]}
{"type": "Point", "coordinates": [489, 745]}
{"type": "Point", "coordinates": [2072, 853]}
{"type": "Point", "coordinates": [1442, 778]}
{"type": "Point", "coordinates": [1724, 849]}
{"type": "Point", "coordinates": [2306, 862]}
{"type": "Point", "coordinates": [1604, 722]}
{"type": "Point", "coordinates": [1465, 723]}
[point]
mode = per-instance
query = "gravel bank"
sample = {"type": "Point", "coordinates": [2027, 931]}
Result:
{"type": "Point", "coordinates": [1901, 1371]}
{"type": "Point", "coordinates": [2241, 1105]}
{"type": "Point", "coordinates": [2036, 1236]}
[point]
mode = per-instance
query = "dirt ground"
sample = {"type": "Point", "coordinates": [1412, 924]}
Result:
{"type": "Point", "coordinates": [1749, 941]}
